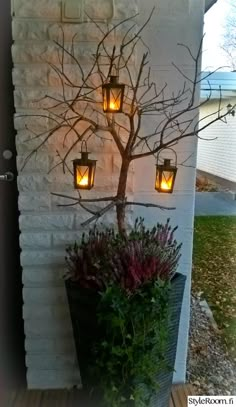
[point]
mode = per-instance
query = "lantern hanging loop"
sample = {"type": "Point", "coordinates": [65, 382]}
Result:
{"type": "Point", "coordinates": [167, 148]}
{"type": "Point", "coordinates": [84, 143]}
{"type": "Point", "coordinates": [84, 154]}
{"type": "Point", "coordinates": [113, 71]}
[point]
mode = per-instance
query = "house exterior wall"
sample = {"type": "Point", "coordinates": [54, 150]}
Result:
{"type": "Point", "coordinates": [176, 22]}
{"type": "Point", "coordinates": [46, 228]}
{"type": "Point", "coordinates": [217, 154]}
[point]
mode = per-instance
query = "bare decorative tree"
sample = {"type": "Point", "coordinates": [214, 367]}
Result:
{"type": "Point", "coordinates": [81, 116]}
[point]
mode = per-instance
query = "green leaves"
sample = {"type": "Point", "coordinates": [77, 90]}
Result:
{"type": "Point", "coordinates": [135, 337]}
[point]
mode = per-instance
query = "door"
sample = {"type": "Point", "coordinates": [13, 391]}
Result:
{"type": "Point", "coordinates": [12, 360]}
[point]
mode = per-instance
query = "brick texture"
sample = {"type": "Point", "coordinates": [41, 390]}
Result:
{"type": "Point", "coordinates": [45, 227]}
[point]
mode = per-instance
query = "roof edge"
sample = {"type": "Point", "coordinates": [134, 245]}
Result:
{"type": "Point", "coordinates": [209, 4]}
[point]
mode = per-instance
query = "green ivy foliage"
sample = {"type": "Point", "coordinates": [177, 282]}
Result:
{"type": "Point", "coordinates": [132, 352]}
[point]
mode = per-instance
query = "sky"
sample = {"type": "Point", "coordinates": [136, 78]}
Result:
{"type": "Point", "coordinates": [213, 56]}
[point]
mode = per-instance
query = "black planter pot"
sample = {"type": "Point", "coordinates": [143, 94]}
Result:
{"type": "Point", "coordinates": [161, 399]}
{"type": "Point", "coordinates": [83, 302]}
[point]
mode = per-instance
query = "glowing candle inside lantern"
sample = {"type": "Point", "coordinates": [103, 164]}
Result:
{"type": "Point", "coordinates": [84, 171]}
{"type": "Point", "coordinates": [113, 106]}
{"type": "Point", "coordinates": [82, 178]}
{"type": "Point", "coordinates": [165, 175]}
{"type": "Point", "coordinates": [166, 185]}
{"type": "Point", "coordinates": [113, 95]}
{"type": "Point", "coordinates": [82, 181]}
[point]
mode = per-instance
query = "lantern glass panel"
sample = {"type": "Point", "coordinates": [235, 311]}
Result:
{"type": "Point", "coordinates": [82, 176]}
{"type": "Point", "coordinates": [115, 99]}
{"type": "Point", "coordinates": [84, 171]}
{"type": "Point", "coordinates": [164, 180]}
{"type": "Point", "coordinates": [92, 170]}
{"type": "Point", "coordinates": [113, 94]}
{"type": "Point", "coordinates": [105, 100]}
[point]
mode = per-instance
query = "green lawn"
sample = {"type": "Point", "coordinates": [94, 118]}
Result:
{"type": "Point", "coordinates": [214, 270]}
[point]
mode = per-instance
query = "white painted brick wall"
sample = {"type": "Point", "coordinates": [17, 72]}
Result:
{"type": "Point", "coordinates": [218, 156]}
{"type": "Point", "coordinates": [177, 22]}
{"type": "Point", "coordinates": [47, 228]}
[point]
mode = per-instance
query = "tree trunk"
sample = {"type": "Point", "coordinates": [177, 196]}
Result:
{"type": "Point", "coordinates": [121, 192]}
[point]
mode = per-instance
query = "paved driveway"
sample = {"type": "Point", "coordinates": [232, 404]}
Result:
{"type": "Point", "coordinates": [214, 203]}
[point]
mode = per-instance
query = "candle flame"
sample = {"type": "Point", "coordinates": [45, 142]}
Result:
{"type": "Point", "coordinates": [113, 106]}
{"type": "Point", "coordinates": [165, 185]}
{"type": "Point", "coordinates": [82, 180]}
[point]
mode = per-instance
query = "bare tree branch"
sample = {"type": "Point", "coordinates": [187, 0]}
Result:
{"type": "Point", "coordinates": [78, 110]}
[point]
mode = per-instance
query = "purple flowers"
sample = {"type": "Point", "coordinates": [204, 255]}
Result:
{"type": "Point", "coordinates": [105, 258]}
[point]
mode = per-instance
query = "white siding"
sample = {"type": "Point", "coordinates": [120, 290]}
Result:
{"type": "Point", "coordinates": [218, 156]}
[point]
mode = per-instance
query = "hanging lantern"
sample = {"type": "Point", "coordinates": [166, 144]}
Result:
{"type": "Point", "coordinates": [165, 174]}
{"type": "Point", "coordinates": [84, 170]}
{"type": "Point", "coordinates": [113, 95]}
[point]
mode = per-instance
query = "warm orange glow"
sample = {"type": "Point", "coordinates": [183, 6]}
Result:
{"type": "Point", "coordinates": [166, 184]}
{"type": "Point", "coordinates": [82, 180]}
{"type": "Point", "coordinates": [84, 171]}
{"type": "Point", "coordinates": [113, 95]}
{"type": "Point", "coordinates": [113, 106]}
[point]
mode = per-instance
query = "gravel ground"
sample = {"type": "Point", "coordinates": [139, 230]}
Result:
{"type": "Point", "coordinates": [210, 368]}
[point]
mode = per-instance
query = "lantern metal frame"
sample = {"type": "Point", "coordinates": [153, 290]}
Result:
{"type": "Point", "coordinates": [230, 110]}
{"type": "Point", "coordinates": [84, 161]}
{"type": "Point", "coordinates": [107, 91]}
{"type": "Point", "coordinates": [165, 167]}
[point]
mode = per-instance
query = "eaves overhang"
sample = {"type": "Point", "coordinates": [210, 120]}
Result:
{"type": "Point", "coordinates": [209, 4]}
{"type": "Point", "coordinates": [218, 85]}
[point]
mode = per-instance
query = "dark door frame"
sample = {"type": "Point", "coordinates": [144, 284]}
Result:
{"type": "Point", "coordinates": [12, 355]}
